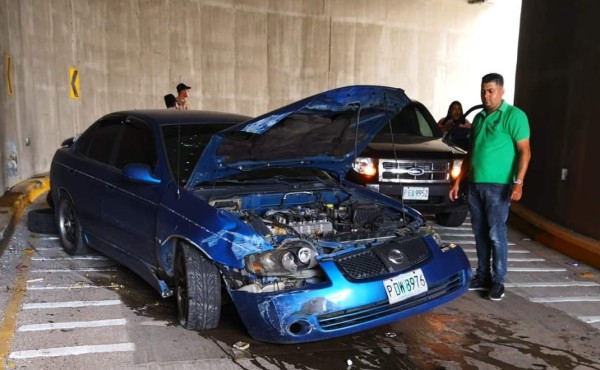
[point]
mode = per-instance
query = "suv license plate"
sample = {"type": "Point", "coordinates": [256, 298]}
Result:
{"type": "Point", "coordinates": [415, 193]}
{"type": "Point", "coordinates": [405, 286]}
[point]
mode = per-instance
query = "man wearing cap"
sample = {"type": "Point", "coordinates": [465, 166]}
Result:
{"type": "Point", "coordinates": [183, 91]}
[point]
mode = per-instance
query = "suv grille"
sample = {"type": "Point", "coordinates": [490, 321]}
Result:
{"type": "Point", "coordinates": [408, 171]}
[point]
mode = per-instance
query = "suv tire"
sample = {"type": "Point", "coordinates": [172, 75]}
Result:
{"type": "Point", "coordinates": [451, 219]}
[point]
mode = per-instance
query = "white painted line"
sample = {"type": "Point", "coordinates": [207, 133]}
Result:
{"type": "Point", "coordinates": [589, 319]}
{"type": "Point", "coordinates": [566, 299]}
{"type": "Point", "coordinates": [86, 258]}
{"type": "Point", "coordinates": [46, 237]}
{"type": "Point", "coordinates": [35, 280]}
{"type": "Point", "coordinates": [470, 235]}
{"type": "Point", "coordinates": [515, 251]}
{"type": "Point", "coordinates": [470, 242]}
{"type": "Point", "coordinates": [518, 259]}
{"type": "Point", "coordinates": [154, 323]}
{"type": "Point", "coordinates": [66, 287]}
{"type": "Point", "coordinates": [550, 284]}
{"type": "Point", "coordinates": [49, 249]}
{"type": "Point", "coordinates": [532, 269]}
{"type": "Point", "coordinates": [537, 269]}
{"type": "Point", "coordinates": [73, 351]}
{"type": "Point", "coordinates": [73, 325]}
{"type": "Point", "coordinates": [88, 269]}
{"type": "Point", "coordinates": [71, 304]}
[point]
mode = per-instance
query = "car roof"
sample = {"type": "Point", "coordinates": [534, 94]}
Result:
{"type": "Point", "coordinates": [176, 116]}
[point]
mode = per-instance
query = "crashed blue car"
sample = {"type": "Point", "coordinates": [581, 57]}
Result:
{"type": "Point", "coordinates": [204, 204]}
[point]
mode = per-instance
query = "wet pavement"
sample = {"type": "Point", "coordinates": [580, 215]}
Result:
{"type": "Point", "coordinates": [135, 329]}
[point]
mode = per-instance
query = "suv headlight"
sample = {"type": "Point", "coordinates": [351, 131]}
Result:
{"type": "Point", "coordinates": [291, 257]}
{"type": "Point", "coordinates": [455, 171]}
{"type": "Point", "coordinates": [365, 166]}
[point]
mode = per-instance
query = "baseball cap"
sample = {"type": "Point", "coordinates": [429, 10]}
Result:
{"type": "Point", "coordinates": [182, 86]}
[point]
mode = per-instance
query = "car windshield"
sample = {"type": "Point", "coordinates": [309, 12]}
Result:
{"type": "Point", "coordinates": [412, 121]}
{"type": "Point", "coordinates": [184, 144]}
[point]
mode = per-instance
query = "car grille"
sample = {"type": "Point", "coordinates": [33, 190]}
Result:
{"type": "Point", "coordinates": [370, 263]}
{"type": "Point", "coordinates": [346, 318]}
{"type": "Point", "coordinates": [408, 171]}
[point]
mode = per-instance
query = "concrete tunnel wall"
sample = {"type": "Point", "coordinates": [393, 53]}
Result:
{"type": "Point", "coordinates": [243, 56]}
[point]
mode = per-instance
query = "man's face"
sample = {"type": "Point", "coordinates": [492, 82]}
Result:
{"type": "Point", "coordinates": [491, 96]}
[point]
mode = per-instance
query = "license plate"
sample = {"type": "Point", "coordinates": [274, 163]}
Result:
{"type": "Point", "coordinates": [405, 286]}
{"type": "Point", "coordinates": [415, 193]}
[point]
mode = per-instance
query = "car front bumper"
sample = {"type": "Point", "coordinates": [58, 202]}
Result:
{"type": "Point", "coordinates": [341, 307]}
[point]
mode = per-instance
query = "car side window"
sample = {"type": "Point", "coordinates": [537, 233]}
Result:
{"type": "Point", "coordinates": [105, 135]}
{"type": "Point", "coordinates": [136, 145]}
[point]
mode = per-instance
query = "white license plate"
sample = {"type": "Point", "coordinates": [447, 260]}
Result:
{"type": "Point", "coordinates": [405, 286]}
{"type": "Point", "coordinates": [415, 193]}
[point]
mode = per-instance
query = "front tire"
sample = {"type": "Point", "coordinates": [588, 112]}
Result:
{"type": "Point", "coordinates": [451, 219]}
{"type": "Point", "coordinates": [69, 228]}
{"type": "Point", "coordinates": [198, 289]}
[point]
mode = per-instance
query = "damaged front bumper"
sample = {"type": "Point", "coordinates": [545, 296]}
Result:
{"type": "Point", "coordinates": [342, 306]}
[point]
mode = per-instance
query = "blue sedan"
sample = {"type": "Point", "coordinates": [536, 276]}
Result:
{"type": "Point", "coordinates": [201, 204]}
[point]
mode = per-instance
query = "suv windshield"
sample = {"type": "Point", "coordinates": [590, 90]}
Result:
{"type": "Point", "coordinates": [412, 121]}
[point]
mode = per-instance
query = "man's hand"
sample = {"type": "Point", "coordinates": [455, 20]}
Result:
{"type": "Point", "coordinates": [454, 191]}
{"type": "Point", "coordinates": [517, 192]}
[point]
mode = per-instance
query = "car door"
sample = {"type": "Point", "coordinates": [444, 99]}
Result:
{"type": "Point", "coordinates": [129, 208]}
{"type": "Point", "coordinates": [87, 169]}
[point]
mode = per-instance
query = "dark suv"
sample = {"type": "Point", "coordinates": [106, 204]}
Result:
{"type": "Point", "coordinates": [410, 160]}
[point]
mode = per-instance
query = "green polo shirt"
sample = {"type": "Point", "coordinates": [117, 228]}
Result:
{"type": "Point", "coordinates": [494, 140]}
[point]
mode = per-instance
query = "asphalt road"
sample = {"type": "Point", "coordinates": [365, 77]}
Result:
{"type": "Point", "coordinates": [89, 313]}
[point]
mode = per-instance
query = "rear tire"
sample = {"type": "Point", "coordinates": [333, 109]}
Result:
{"type": "Point", "coordinates": [69, 228]}
{"type": "Point", "coordinates": [42, 221]}
{"type": "Point", "coordinates": [198, 289]}
{"type": "Point", "coordinates": [451, 219]}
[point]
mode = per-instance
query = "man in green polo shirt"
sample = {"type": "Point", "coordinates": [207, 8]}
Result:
{"type": "Point", "coordinates": [495, 167]}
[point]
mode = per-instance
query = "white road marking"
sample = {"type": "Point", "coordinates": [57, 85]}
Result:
{"type": "Point", "coordinates": [470, 242]}
{"type": "Point", "coordinates": [517, 251]}
{"type": "Point", "coordinates": [73, 325]}
{"type": "Point", "coordinates": [86, 258]}
{"type": "Point", "coordinates": [566, 299]}
{"type": "Point", "coordinates": [537, 269]}
{"type": "Point", "coordinates": [85, 269]}
{"type": "Point", "coordinates": [518, 259]}
{"type": "Point", "coordinates": [589, 319]}
{"type": "Point", "coordinates": [66, 287]}
{"type": "Point", "coordinates": [73, 351]}
{"type": "Point", "coordinates": [71, 304]}
{"type": "Point", "coordinates": [550, 284]}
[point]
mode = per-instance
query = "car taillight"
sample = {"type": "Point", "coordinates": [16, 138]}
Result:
{"type": "Point", "coordinates": [365, 166]}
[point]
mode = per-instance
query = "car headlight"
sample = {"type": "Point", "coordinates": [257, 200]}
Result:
{"type": "Point", "coordinates": [365, 166]}
{"type": "Point", "coordinates": [455, 171]}
{"type": "Point", "coordinates": [291, 257]}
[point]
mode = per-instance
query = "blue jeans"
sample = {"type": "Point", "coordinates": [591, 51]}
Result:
{"type": "Point", "coordinates": [489, 205]}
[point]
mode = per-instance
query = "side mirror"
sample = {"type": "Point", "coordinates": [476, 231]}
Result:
{"type": "Point", "coordinates": [138, 172]}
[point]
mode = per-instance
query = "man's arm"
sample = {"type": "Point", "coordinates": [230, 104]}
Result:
{"type": "Point", "coordinates": [524, 152]}
{"type": "Point", "coordinates": [464, 172]}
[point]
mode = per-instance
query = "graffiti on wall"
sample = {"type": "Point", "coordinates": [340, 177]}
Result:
{"type": "Point", "coordinates": [12, 163]}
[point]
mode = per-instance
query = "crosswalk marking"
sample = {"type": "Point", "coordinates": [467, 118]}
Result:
{"type": "Point", "coordinates": [73, 325]}
{"type": "Point", "coordinates": [510, 251]}
{"type": "Point", "coordinates": [83, 258]}
{"type": "Point", "coordinates": [84, 269]}
{"type": "Point", "coordinates": [73, 351]}
{"type": "Point", "coordinates": [67, 287]}
{"type": "Point", "coordinates": [566, 299]}
{"type": "Point", "coordinates": [71, 304]}
{"type": "Point", "coordinates": [551, 284]}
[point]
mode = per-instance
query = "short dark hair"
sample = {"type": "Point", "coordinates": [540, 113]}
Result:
{"type": "Point", "coordinates": [170, 101]}
{"type": "Point", "coordinates": [493, 77]}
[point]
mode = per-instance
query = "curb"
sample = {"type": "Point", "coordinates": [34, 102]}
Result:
{"type": "Point", "coordinates": [13, 204]}
{"type": "Point", "coordinates": [566, 241]}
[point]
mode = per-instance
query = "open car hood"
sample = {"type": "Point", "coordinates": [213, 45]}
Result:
{"type": "Point", "coordinates": [325, 131]}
